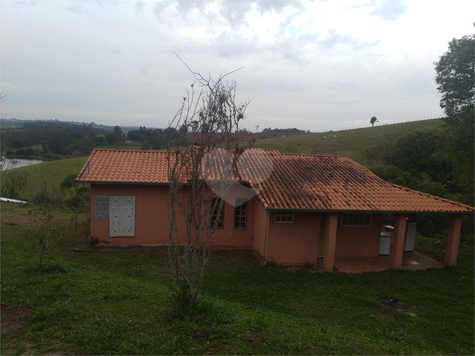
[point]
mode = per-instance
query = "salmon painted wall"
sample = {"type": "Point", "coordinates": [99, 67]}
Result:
{"type": "Point", "coordinates": [152, 222]}
{"type": "Point", "coordinates": [359, 241]}
{"type": "Point", "coordinates": [260, 222]}
{"type": "Point", "coordinates": [151, 214]}
{"type": "Point", "coordinates": [294, 243]}
{"type": "Point", "coordinates": [230, 237]}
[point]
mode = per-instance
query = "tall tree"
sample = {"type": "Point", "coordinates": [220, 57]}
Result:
{"type": "Point", "coordinates": [199, 174]}
{"type": "Point", "coordinates": [455, 76]}
{"type": "Point", "coordinates": [456, 83]}
{"type": "Point", "coordinates": [373, 120]}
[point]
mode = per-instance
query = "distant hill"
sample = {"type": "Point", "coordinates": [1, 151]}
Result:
{"type": "Point", "coordinates": [351, 143]}
{"type": "Point", "coordinates": [18, 124]}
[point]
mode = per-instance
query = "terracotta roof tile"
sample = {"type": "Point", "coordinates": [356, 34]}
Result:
{"type": "Point", "coordinates": [281, 181]}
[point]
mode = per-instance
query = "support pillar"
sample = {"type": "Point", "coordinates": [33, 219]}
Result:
{"type": "Point", "coordinates": [399, 236]}
{"type": "Point", "coordinates": [453, 240]}
{"type": "Point", "coordinates": [330, 241]}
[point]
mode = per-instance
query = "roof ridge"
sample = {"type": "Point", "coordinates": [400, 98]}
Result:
{"type": "Point", "coordinates": [126, 150]}
{"type": "Point", "coordinates": [312, 155]}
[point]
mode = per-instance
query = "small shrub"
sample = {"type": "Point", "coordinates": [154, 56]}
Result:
{"type": "Point", "coordinates": [181, 308]}
{"type": "Point", "coordinates": [201, 309]}
{"type": "Point", "coordinates": [16, 183]}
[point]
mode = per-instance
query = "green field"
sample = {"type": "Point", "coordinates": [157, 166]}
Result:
{"type": "Point", "coordinates": [116, 302]}
{"type": "Point", "coordinates": [351, 143]}
{"type": "Point", "coordinates": [51, 173]}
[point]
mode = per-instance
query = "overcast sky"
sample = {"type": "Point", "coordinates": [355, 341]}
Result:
{"type": "Point", "coordinates": [314, 65]}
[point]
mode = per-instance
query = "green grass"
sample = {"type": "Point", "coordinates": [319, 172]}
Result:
{"type": "Point", "coordinates": [52, 173]}
{"type": "Point", "coordinates": [350, 143]}
{"type": "Point", "coordinates": [116, 302]}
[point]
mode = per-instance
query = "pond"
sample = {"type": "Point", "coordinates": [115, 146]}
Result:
{"type": "Point", "coordinates": [11, 163]}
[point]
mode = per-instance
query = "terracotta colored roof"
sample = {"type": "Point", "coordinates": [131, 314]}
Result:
{"type": "Point", "coordinates": [125, 166]}
{"type": "Point", "coordinates": [282, 181]}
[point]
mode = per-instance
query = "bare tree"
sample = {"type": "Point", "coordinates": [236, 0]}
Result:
{"type": "Point", "coordinates": [50, 225]}
{"type": "Point", "coordinates": [200, 174]}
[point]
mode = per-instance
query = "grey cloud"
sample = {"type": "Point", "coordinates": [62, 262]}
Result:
{"type": "Point", "coordinates": [277, 5]}
{"type": "Point", "coordinates": [350, 101]}
{"type": "Point", "coordinates": [185, 6]}
{"type": "Point", "coordinates": [337, 38]}
{"type": "Point", "coordinates": [229, 44]}
{"type": "Point", "coordinates": [390, 10]}
{"type": "Point", "coordinates": [160, 6]}
{"type": "Point", "coordinates": [139, 5]}
{"type": "Point", "coordinates": [233, 11]}
{"type": "Point", "coordinates": [288, 20]}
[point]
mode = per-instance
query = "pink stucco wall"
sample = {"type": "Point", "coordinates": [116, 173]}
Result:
{"type": "Point", "coordinates": [304, 240]}
{"type": "Point", "coordinates": [359, 241]}
{"type": "Point", "coordinates": [294, 243]}
{"type": "Point", "coordinates": [151, 214]}
{"type": "Point", "coordinates": [152, 220]}
{"type": "Point", "coordinates": [260, 230]}
{"type": "Point", "coordinates": [286, 243]}
{"type": "Point", "coordinates": [229, 237]}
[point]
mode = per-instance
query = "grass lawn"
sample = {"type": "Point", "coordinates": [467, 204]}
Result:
{"type": "Point", "coordinates": [116, 302]}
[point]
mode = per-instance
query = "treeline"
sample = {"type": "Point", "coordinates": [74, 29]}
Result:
{"type": "Point", "coordinates": [154, 139]}
{"type": "Point", "coordinates": [54, 138]}
{"type": "Point", "coordinates": [292, 130]}
{"type": "Point", "coordinates": [438, 162]}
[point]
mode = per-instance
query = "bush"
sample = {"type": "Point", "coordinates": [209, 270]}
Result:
{"type": "Point", "coordinates": [15, 183]}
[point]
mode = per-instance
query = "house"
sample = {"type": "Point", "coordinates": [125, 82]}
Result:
{"type": "Point", "coordinates": [288, 208]}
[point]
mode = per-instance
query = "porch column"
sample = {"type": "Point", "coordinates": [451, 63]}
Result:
{"type": "Point", "coordinates": [453, 240]}
{"type": "Point", "coordinates": [399, 236]}
{"type": "Point", "coordinates": [330, 241]}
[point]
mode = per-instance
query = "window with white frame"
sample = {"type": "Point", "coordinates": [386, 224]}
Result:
{"type": "Point", "coordinates": [217, 214]}
{"type": "Point", "coordinates": [240, 213]}
{"type": "Point", "coordinates": [284, 217]}
{"type": "Point", "coordinates": [357, 219]}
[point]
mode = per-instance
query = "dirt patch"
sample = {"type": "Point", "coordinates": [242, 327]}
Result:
{"type": "Point", "coordinates": [302, 306]}
{"type": "Point", "coordinates": [396, 305]}
{"type": "Point", "coordinates": [13, 218]}
{"type": "Point", "coordinates": [83, 244]}
{"type": "Point", "coordinates": [13, 320]}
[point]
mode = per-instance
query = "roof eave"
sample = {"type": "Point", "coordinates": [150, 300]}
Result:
{"type": "Point", "coordinates": [368, 211]}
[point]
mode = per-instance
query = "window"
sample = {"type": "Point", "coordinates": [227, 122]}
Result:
{"type": "Point", "coordinates": [217, 214]}
{"type": "Point", "coordinates": [121, 216]}
{"type": "Point", "coordinates": [284, 217]}
{"type": "Point", "coordinates": [101, 208]}
{"type": "Point", "coordinates": [356, 220]}
{"type": "Point", "coordinates": [240, 213]}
